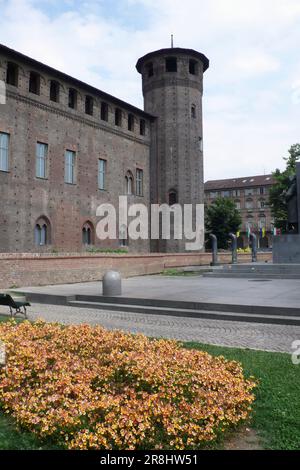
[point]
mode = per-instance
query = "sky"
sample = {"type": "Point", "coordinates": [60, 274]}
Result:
{"type": "Point", "coordinates": [251, 101]}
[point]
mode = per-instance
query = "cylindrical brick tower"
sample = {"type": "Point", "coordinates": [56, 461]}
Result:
{"type": "Point", "coordinates": [172, 88]}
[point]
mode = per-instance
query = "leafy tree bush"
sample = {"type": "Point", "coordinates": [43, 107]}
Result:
{"type": "Point", "coordinates": [221, 218]}
{"type": "Point", "coordinates": [277, 201]}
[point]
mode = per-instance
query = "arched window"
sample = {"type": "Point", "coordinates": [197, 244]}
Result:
{"type": "Point", "coordinates": [129, 183]}
{"type": "Point", "coordinates": [42, 232]}
{"type": "Point", "coordinates": [172, 197]}
{"type": "Point", "coordinates": [88, 234]}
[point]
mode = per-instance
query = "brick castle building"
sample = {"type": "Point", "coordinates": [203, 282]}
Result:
{"type": "Point", "coordinates": [251, 195]}
{"type": "Point", "coordinates": [67, 147]}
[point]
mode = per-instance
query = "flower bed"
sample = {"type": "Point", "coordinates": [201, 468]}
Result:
{"type": "Point", "coordinates": [89, 388]}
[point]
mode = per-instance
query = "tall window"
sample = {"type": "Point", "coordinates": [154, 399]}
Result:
{"type": "Point", "coordinates": [42, 232]}
{"type": "Point", "coordinates": [249, 204]}
{"type": "Point", "coordinates": [139, 182]}
{"type": "Point", "coordinates": [101, 173]}
{"type": "Point", "coordinates": [72, 98]}
{"type": "Point", "coordinates": [70, 167]}
{"type": "Point", "coordinates": [89, 105]}
{"type": "Point", "coordinates": [12, 74]}
{"type": "Point", "coordinates": [104, 111]}
{"type": "Point", "coordinates": [193, 67]}
{"type": "Point", "coordinates": [131, 122]}
{"type": "Point", "coordinates": [118, 117]}
{"type": "Point", "coordinates": [129, 183]}
{"type": "Point", "coordinates": [54, 91]}
{"type": "Point", "coordinates": [34, 83]}
{"type": "Point", "coordinates": [142, 127]}
{"type": "Point", "coordinates": [41, 160]}
{"type": "Point", "coordinates": [87, 234]}
{"type": "Point", "coordinates": [193, 111]}
{"type": "Point", "coordinates": [4, 148]}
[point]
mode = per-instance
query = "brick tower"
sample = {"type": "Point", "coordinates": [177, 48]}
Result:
{"type": "Point", "coordinates": [172, 89]}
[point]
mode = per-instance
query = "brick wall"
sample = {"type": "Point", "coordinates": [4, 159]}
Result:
{"type": "Point", "coordinates": [20, 270]}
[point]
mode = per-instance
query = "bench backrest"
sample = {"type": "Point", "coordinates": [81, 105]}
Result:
{"type": "Point", "coordinates": [6, 299]}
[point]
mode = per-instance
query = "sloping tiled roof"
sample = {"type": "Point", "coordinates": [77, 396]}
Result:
{"type": "Point", "coordinates": [246, 182]}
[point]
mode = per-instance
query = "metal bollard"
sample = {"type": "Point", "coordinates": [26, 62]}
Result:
{"type": "Point", "coordinates": [233, 247]}
{"type": "Point", "coordinates": [112, 284]}
{"type": "Point", "coordinates": [214, 242]}
{"type": "Point", "coordinates": [253, 247]}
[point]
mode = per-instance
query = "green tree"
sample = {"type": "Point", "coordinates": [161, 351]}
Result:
{"type": "Point", "coordinates": [277, 201]}
{"type": "Point", "coordinates": [221, 218]}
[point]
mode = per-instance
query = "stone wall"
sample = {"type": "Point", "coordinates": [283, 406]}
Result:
{"type": "Point", "coordinates": [20, 270]}
{"type": "Point", "coordinates": [30, 118]}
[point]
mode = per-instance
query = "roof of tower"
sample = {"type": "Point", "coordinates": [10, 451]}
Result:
{"type": "Point", "coordinates": [174, 50]}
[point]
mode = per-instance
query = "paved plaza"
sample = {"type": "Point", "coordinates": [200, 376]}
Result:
{"type": "Point", "coordinates": [223, 333]}
{"type": "Point", "coordinates": [269, 337]}
{"type": "Point", "coordinates": [276, 292]}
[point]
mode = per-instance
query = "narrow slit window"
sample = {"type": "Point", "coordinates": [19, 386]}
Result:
{"type": "Point", "coordinates": [89, 105]}
{"type": "Point", "coordinates": [72, 98]}
{"type": "Point", "coordinates": [104, 111]}
{"type": "Point", "coordinates": [54, 91]}
{"type": "Point", "coordinates": [193, 67]}
{"type": "Point", "coordinates": [118, 117]}
{"type": "Point", "coordinates": [12, 74]}
{"type": "Point", "coordinates": [142, 127]}
{"type": "Point", "coordinates": [131, 122]}
{"type": "Point", "coordinates": [34, 83]}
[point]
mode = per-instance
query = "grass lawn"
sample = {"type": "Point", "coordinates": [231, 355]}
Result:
{"type": "Point", "coordinates": [276, 414]}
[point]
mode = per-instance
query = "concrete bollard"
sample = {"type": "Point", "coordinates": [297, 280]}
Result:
{"type": "Point", "coordinates": [214, 242]}
{"type": "Point", "coordinates": [112, 284]}
{"type": "Point", "coordinates": [253, 247]}
{"type": "Point", "coordinates": [233, 247]}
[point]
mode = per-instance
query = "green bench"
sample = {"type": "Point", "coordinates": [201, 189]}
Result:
{"type": "Point", "coordinates": [14, 306]}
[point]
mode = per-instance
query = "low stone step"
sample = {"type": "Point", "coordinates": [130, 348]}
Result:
{"type": "Point", "coordinates": [180, 312]}
{"type": "Point", "coordinates": [251, 275]}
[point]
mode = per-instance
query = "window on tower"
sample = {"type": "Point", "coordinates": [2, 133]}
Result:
{"type": "Point", "coordinates": [193, 111]}
{"type": "Point", "coordinates": [193, 67]}
{"type": "Point", "coordinates": [149, 69]}
{"type": "Point", "coordinates": [171, 64]}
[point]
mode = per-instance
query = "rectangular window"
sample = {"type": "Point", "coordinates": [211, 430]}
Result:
{"type": "Point", "coordinates": [249, 192]}
{"type": "Point", "coordinates": [34, 83]}
{"type": "Point", "coordinates": [41, 160]}
{"type": "Point", "coordinates": [139, 182]}
{"type": "Point", "coordinates": [101, 173]}
{"type": "Point", "coordinates": [131, 122]}
{"type": "Point", "coordinates": [225, 193]}
{"type": "Point", "coordinates": [104, 111]}
{"type": "Point", "coordinates": [118, 117]}
{"type": "Point", "coordinates": [70, 167]}
{"type": "Point", "coordinates": [171, 64]}
{"type": "Point", "coordinates": [236, 193]}
{"type": "Point", "coordinates": [262, 190]}
{"type": "Point", "coordinates": [72, 98]}
{"type": "Point", "coordinates": [54, 91]}
{"type": "Point", "coordinates": [142, 127]}
{"type": "Point", "coordinates": [12, 74]}
{"type": "Point", "coordinates": [89, 105]}
{"type": "Point", "coordinates": [4, 147]}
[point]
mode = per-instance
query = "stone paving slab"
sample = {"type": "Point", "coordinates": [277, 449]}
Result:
{"type": "Point", "coordinates": [279, 293]}
{"type": "Point", "coordinates": [223, 333]}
